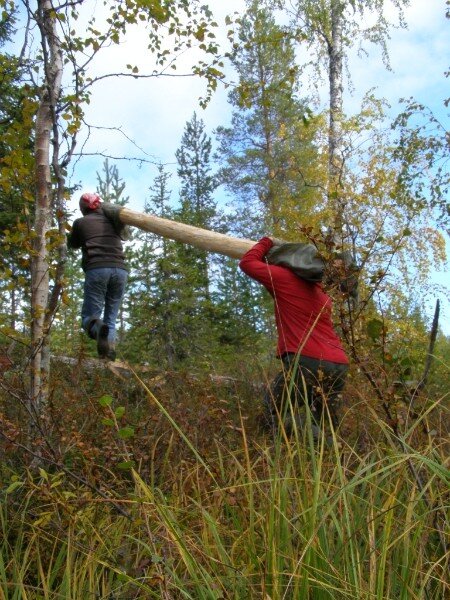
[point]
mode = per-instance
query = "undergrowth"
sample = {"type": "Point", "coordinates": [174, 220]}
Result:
{"type": "Point", "coordinates": [166, 486]}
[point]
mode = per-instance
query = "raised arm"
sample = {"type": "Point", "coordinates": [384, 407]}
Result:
{"type": "Point", "coordinates": [254, 265]}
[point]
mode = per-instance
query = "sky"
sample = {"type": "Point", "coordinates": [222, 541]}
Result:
{"type": "Point", "coordinates": [153, 112]}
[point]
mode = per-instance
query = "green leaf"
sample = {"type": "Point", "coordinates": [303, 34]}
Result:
{"type": "Point", "coordinates": [58, 481]}
{"type": "Point", "coordinates": [105, 400]}
{"type": "Point", "coordinates": [126, 432]}
{"type": "Point", "coordinates": [108, 422]}
{"type": "Point", "coordinates": [13, 486]}
{"type": "Point", "coordinates": [375, 328]}
{"type": "Point", "coordinates": [200, 34]}
{"type": "Point", "coordinates": [119, 412]}
{"type": "Point", "coordinates": [158, 13]}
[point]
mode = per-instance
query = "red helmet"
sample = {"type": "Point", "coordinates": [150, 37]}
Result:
{"type": "Point", "coordinates": [89, 202]}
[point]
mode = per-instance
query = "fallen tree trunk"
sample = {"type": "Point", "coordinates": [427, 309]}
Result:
{"type": "Point", "coordinates": [188, 234]}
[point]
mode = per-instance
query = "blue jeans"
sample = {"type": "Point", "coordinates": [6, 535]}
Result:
{"type": "Point", "coordinates": [103, 292]}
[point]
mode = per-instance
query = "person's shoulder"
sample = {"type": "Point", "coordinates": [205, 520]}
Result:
{"type": "Point", "coordinates": [77, 222]}
{"type": "Point", "coordinates": [312, 288]}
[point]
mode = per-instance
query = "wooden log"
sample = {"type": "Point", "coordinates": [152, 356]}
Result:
{"type": "Point", "coordinates": [188, 234]}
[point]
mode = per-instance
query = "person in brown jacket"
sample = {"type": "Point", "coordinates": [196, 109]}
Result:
{"type": "Point", "coordinates": [99, 234]}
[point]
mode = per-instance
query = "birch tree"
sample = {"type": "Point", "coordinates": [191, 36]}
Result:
{"type": "Point", "coordinates": [46, 127]}
{"type": "Point", "coordinates": [328, 29]}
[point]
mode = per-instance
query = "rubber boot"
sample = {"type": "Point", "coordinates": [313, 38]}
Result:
{"type": "Point", "coordinates": [112, 351]}
{"type": "Point", "coordinates": [90, 329]}
{"type": "Point", "coordinates": [102, 339]}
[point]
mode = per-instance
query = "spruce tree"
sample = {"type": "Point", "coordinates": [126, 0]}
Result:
{"type": "Point", "coordinates": [110, 185]}
{"type": "Point", "coordinates": [196, 197]}
{"type": "Point", "coordinates": [180, 303]}
{"type": "Point", "coordinates": [16, 147]}
{"type": "Point", "coordinates": [152, 318]}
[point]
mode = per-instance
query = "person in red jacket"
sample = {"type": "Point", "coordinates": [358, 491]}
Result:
{"type": "Point", "coordinates": [307, 341]}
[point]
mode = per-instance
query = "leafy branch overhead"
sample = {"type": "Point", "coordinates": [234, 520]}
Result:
{"type": "Point", "coordinates": [172, 29]}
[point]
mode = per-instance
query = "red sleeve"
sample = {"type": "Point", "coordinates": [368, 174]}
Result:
{"type": "Point", "coordinates": [254, 265]}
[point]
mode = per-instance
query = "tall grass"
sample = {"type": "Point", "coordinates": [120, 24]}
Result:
{"type": "Point", "coordinates": [285, 518]}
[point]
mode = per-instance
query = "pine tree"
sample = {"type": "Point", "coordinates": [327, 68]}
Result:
{"type": "Point", "coordinates": [270, 161]}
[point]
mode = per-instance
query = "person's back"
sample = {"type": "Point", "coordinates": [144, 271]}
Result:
{"type": "Point", "coordinates": [99, 241]}
{"type": "Point", "coordinates": [302, 309]}
{"type": "Point", "coordinates": [99, 234]}
{"type": "Point", "coordinates": [307, 342]}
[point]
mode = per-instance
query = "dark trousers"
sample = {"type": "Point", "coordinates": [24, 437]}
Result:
{"type": "Point", "coordinates": [304, 381]}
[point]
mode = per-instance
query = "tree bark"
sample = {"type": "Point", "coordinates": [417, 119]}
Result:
{"type": "Point", "coordinates": [45, 119]}
{"type": "Point", "coordinates": [188, 234]}
{"type": "Point", "coordinates": [335, 53]}
{"type": "Point", "coordinates": [335, 157]}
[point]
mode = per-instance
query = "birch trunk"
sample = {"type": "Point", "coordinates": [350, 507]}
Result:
{"type": "Point", "coordinates": [40, 279]}
{"type": "Point", "coordinates": [188, 234]}
{"type": "Point", "coordinates": [335, 156]}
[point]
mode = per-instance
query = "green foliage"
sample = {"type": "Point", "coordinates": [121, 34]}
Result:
{"type": "Point", "coordinates": [270, 162]}
{"type": "Point", "coordinates": [363, 22]}
{"type": "Point", "coordinates": [17, 107]}
{"type": "Point", "coordinates": [197, 205]}
{"type": "Point", "coordinates": [63, 45]}
{"type": "Point", "coordinates": [393, 237]}
{"type": "Point", "coordinates": [183, 310]}
{"type": "Point", "coordinates": [234, 515]}
{"type": "Point", "coordinates": [66, 336]}
{"type": "Point", "coordinates": [375, 328]}
{"type": "Point", "coordinates": [111, 187]}
{"type": "Point", "coordinates": [105, 400]}
{"type": "Point", "coordinates": [150, 312]}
